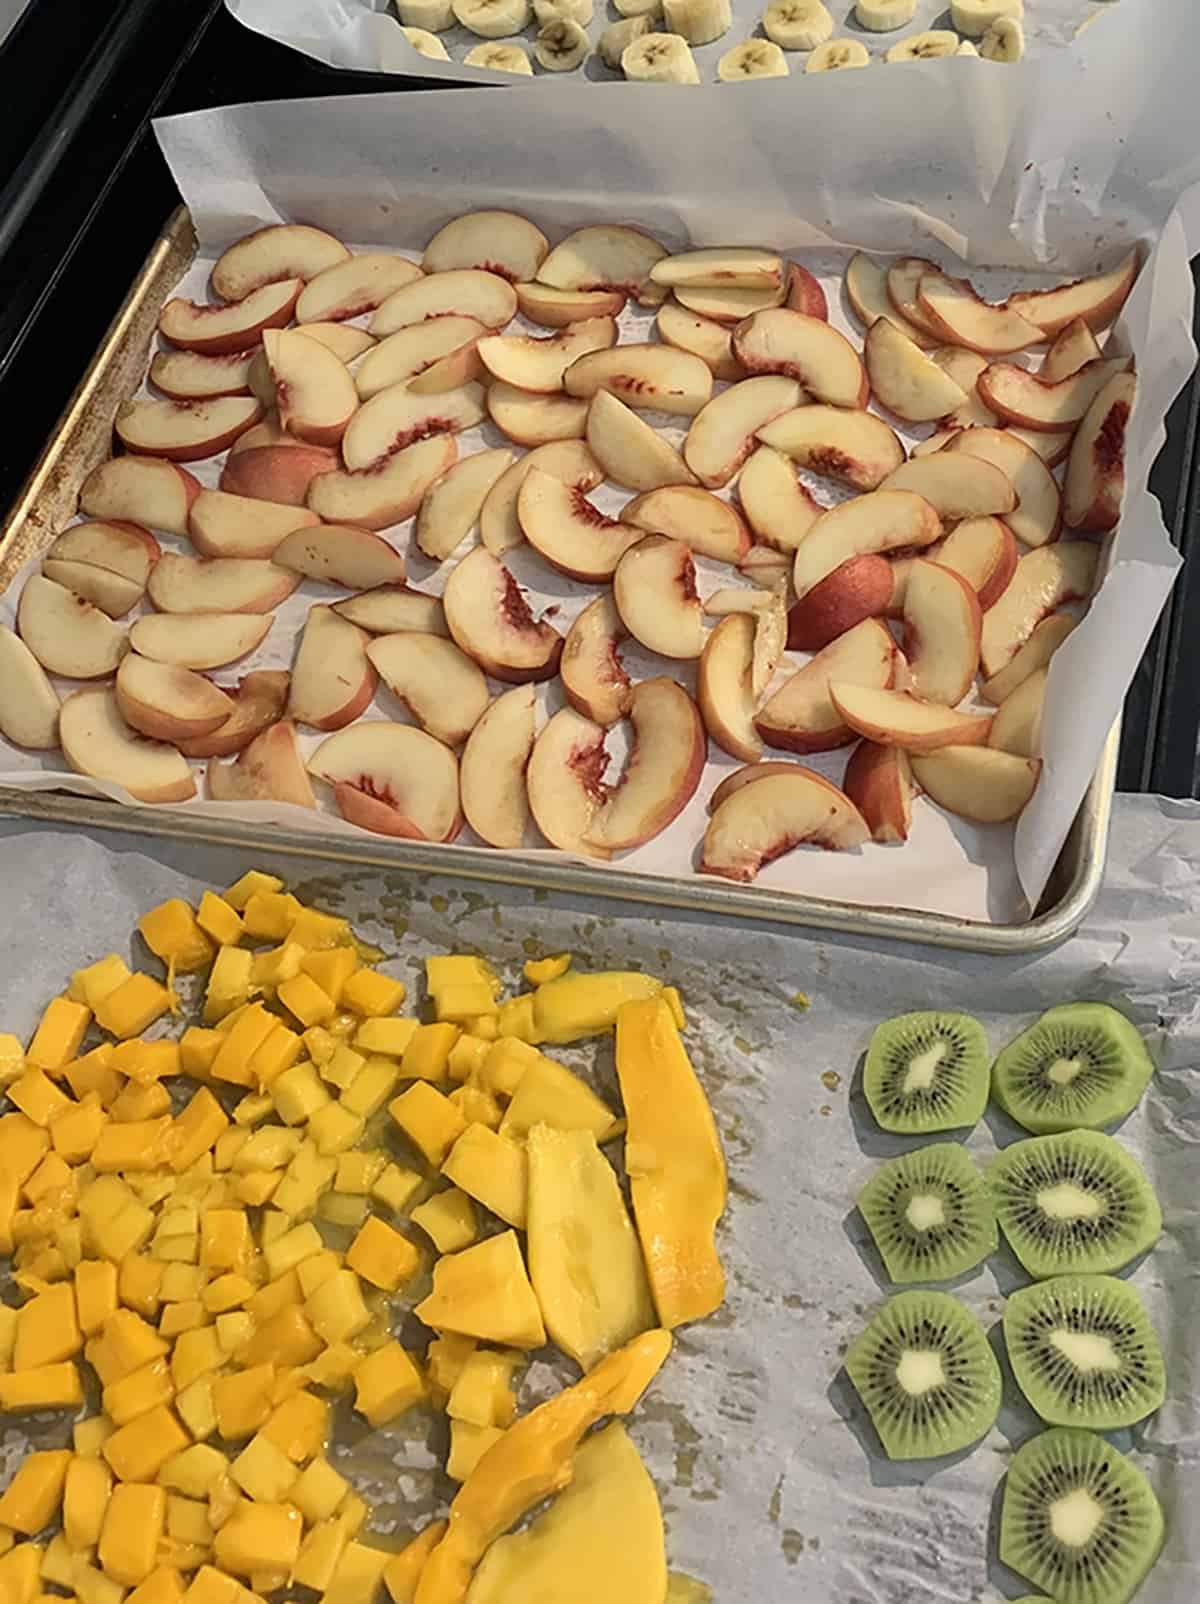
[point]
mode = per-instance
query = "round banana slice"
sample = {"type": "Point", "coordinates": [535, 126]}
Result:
{"type": "Point", "coordinates": [698, 21]}
{"type": "Point", "coordinates": [1004, 41]}
{"type": "Point", "coordinates": [967, 48]}
{"type": "Point", "coordinates": [547, 11]}
{"type": "Point", "coordinates": [797, 24]}
{"type": "Point", "coordinates": [927, 46]}
{"type": "Point", "coordinates": [426, 44]}
{"type": "Point", "coordinates": [837, 54]}
{"type": "Point", "coordinates": [659, 58]}
{"type": "Point", "coordinates": [757, 58]}
{"type": "Point", "coordinates": [435, 16]}
{"type": "Point", "coordinates": [492, 19]}
{"type": "Point", "coordinates": [500, 58]}
{"type": "Point", "coordinates": [881, 16]}
{"type": "Point", "coordinates": [561, 46]}
{"type": "Point", "coordinates": [975, 17]}
{"type": "Point", "coordinates": [612, 42]}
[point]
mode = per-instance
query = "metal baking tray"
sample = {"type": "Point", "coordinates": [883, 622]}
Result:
{"type": "Point", "coordinates": [83, 438]}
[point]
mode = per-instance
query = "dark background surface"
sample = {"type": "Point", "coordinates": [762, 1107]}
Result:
{"type": "Point", "coordinates": [84, 194]}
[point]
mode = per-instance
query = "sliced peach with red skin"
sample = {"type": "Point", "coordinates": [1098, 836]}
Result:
{"type": "Point", "coordinates": [629, 450]}
{"type": "Point", "coordinates": [168, 703]}
{"type": "Point", "coordinates": [878, 780]}
{"type": "Point", "coordinates": [1046, 579]}
{"type": "Point", "coordinates": [333, 680]}
{"type": "Point", "coordinates": [727, 430]}
{"type": "Point", "coordinates": [185, 431]}
{"type": "Point", "coordinates": [386, 493]}
{"type": "Point", "coordinates": [466, 292]}
{"type": "Point", "coordinates": [593, 678]}
{"type": "Point", "coordinates": [657, 378]}
{"type": "Point", "coordinates": [885, 520]}
{"type": "Point", "coordinates": [654, 587]}
{"type": "Point", "coordinates": [724, 690]}
{"type": "Point", "coordinates": [601, 256]}
{"type": "Point", "coordinates": [111, 593]}
{"type": "Point", "coordinates": [122, 548]}
{"type": "Point", "coordinates": [221, 330]}
{"type": "Point", "coordinates": [498, 242]}
{"type": "Point", "coordinates": [860, 587]}
{"type": "Point", "coordinates": [1017, 727]}
{"type": "Point", "coordinates": [663, 771]}
{"type": "Point", "coordinates": [181, 584]}
{"type": "Point", "coordinates": [536, 420]}
{"type": "Point", "coordinates": [807, 349]}
{"type": "Point", "coordinates": [199, 640]}
{"type": "Point", "coordinates": [964, 367]}
{"type": "Point", "coordinates": [977, 782]}
{"type": "Point", "coordinates": [854, 447]}
{"type": "Point", "coordinates": [345, 342]}
{"type": "Point", "coordinates": [313, 388]}
{"type": "Point", "coordinates": [724, 305]}
{"type": "Point", "coordinates": [760, 822]}
{"type": "Point", "coordinates": [572, 534]}
{"type": "Point", "coordinates": [984, 552]}
{"type": "Point", "coordinates": [269, 768]}
{"type": "Point", "coordinates": [1095, 483]}
{"type": "Point", "coordinates": [1033, 402]}
{"type": "Point", "coordinates": [28, 701]}
{"type": "Point", "coordinates": [149, 491]}
{"type": "Point", "coordinates": [538, 362]}
{"type": "Point", "coordinates": [282, 473]}
{"type": "Point", "coordinates": [490, 619]}
{"type": "Point", "coordinates": [558, 309]}
{"type": "Point", "coordinates": [747, 776]}
{"type": "Point", "coordinates": [348, 289]}
{"type": "Point", "coordinates": [492, 770]}
{"type": "Point", "coordinates": [453, 505]}
{"type": "Point", "coordinates": [1034, 654]}
{"type": "Point", "coordinates": [568, 460]}
{"type": "Point", "coordinates": [956, 484]}
{"type": "Point", "coordinates": [392, 779]}
{"type": "Point", "coordinates": [866, 289]}
{"type": "Point", "coordinates": [902, 280]}
{"type": "Point", "coordinates": [904, 379]}
{"type": "Point", "coordinates": [1071, 349]}
{"type": "Point", "coordinates": [442, 687]}
{"type": "Point", "coordinates": [898, 718]}
{"type": "Point", "coordinates": [68, 635]}
{"type": "Point", "coordinates": [712, 342]}
{"type": "Point", "coordinates": [736, 267]}
{"type": "Point", "coordinates": [258, 701]}
{"type": "Point", "coordinates": [1095, 301]}
{"type": "Point", "coordinates": [804, 292]}
{"type": "Point", "coordinates": [779, 509]}
{"type": "Point", "coordinates": [225, 525]}
{"type": "Point", "coordinates": [800, 717]}
{"type": "Point", "coordinates": [411, 352]}
{"type": "Point", "coordinates": [388, 608]}
{"type": "Point", "coordinates": [953, 309]}
{"type": "Point", "coordinates": [279, 251]}
{"type": "Point", "coordinates": [942, 625]}
{"type": "Point", "coordinates": [1037, 517]}
{"type": "Point", "coordinates": [96, 741]}
{"type": "Point", "coordinates": [396, 418]}
{"type": "Point", "coordinates": [340, 554]}
{"type": "Point", "coordinates": [696, 517]}
{"type": "Point", "coordinates": [565, 781]}
{"type": "Point", "coordinates": [191, 376]}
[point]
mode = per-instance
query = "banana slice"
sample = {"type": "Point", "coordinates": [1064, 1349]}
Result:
{"type": "Point", "coordinates": [881, 16]}
{"type": "Point", "coordinates": [757, 58]}
{"type": "Point", "coordinates": [492, 19]}
{"type": "Point", "coordinates": [613, 41]}
{"type": "Point", "coordinates": [435, 16]}
{"type": "Point", "coordinates": [927, 46]}
{"type": "Point", "coordinates": [797, 24]}
{"type": "Point", "coordinates": [426, 44]}
{"type": "Point", "coordinates": [975, 17]}
{"type": "Point", "coordinates": [837, 54]}
{"type": "Point", "coordinates": [548, 11]}
{"type": "Point", "coordinates": [659, 58]}
{"type": "Point", "coordinates": [1004, 41]}
{"type": "Point", "coordinates": [500, 58]}
{"type": "Point", "coordinates": [698, 21]}
{"type": "Point", "coordinates": [561, 46]}
{"type": "Point", "coordinates": [967, 48]}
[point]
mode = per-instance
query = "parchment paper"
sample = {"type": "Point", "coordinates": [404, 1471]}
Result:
{"type": "Point", "coordinates": [773, 1486]}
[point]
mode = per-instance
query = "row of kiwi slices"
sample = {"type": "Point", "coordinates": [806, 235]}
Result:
{"type": "Point", "coordinates": [1081, 1066]}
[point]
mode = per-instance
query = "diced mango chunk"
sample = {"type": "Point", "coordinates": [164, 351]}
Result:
{"type": "Point", "coordinates": [172, 934]}
{"type": "Point", "coordinates": [59, 1033]}
{"type": "Point", "coordinates": [382, 1256]}
{"type": "Point", "coordinates": [387, 1382]}
{"type": "Point", "coordinates": [32, 1498]}
{"type": "Point", "coordinates": [429, 1120]}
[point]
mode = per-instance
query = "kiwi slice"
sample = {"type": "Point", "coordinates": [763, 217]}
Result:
{"type": "Point", "coordinates": [930, 1214]}
{"type": "Point", "coordinates": [1081, 1065]}
{"type": "Point", "coordinates": [926, 1374]}
{"type": "Point", "coordinates": [927, 1072]}
{"type": "Point", "coordinates": [1076, 1203]}
{"type": "Point", "coordinates": [1079, 1519]}
{"type": "Point", "coordinates": [1084, 1352]}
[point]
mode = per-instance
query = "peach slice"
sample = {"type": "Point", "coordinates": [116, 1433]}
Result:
{"type": "Point", "coordinates": [747, 776]}
{"type": "Point", "coordinates": [1017, 727]}
{"type": "Point", "coordinates": [1094, 301]}
{"type": "Point", "coordinates": [466, 292]}
{"type": "Point", "coordinates": [860, 587]}
{"type": "Point", "coordinates": [536, 420]}
{"type": "Point", "coordinates": [1071, 349]}
{"type": "Point", "coordinates": [492, 771]}
{"type": "Point", "coordinates": [779, 509]}
{"type": "Point", "coordinates": [735, 267]}
{"type": "Point", "coordinates": [147, 490]}
{"type": "Point", "coordinates": [224, 525]}
{"type": "Point", "coordinates": [878, 780]}
{"type": "Point", "coordinates": [68, 635]}
{"type": "Point", "coordinates": [122, 548]}
{"type": "Point", "coordinates": [348, 289]}
{"type": "Point", "coordinates": [977, 782]}
{"type": "Point", "coordinates": [568, 460]}
{"type": "Point", "coordinates": [866, 289]}
{"type": "Point", "coordinates": [898, 718]}
{"type": "Point", "coordinates": [953, 310]}
{"type": "Point", "coordinates": [904, 379]}
{"type": "Point", "coordinates": [269, 768]}
{"type": "Point", "coordinates": [724, 690]}
{"type": "Point", "coordinates": [565, 781]}
{"type": "Point", "coordinates": [1095, 484]}
{"type": "Point", "coordinates": [760, 822]}
{"type": "Point", "coordinates": [663, 771]}
{"type": "Point", "coordinates": [190, 376]}
{"type": "Point", "coordinates": [729, 305]}
{"type": "Point", "coordinates": [629, 450]}
{"type": "Point", "coordinates": [538, 363]}
{"type": "Point", "coordinates": [258, 702]}
{"type": "Point", "coordinates": [442, 687]}
{"type": "Point", "coordinates": [885, 520]}
{"type": "Point", "coordinates": [453, 505]}
{"type": "Point", "coordinates": [168, 703]}
{"type": "Point", "coordinates": [218, 585]}
{"type": "Point", "coordinates": [111, 593]}
{"type": "Point", "coordinates": [1037, 517]}
{"type": "Point", "coordinates": [96, 741]}
{"type": "Point", "coordinates": [1052, 448]}
{"type": "Point", "coordinates": [222, 330]}
{"type": "Point", "coordinates": [723, 434]}
{"type": "Point", "coordinates": [696, 517]}
{"type": "Point", "coordinates": [313, 388]}
{"type": "Point", "coordinates": [573, 536]}
{"type": "Point", "coordinates": [903, 279]}
{"type": "Point", "coordinates": [800, 717]}
{"type": "Point", "coordinates": [937, 441]}
{"type": "Point", "coordinates": [1045, 580]}
{"type": "Point", "coordinates": [964, 367]}
{"type": "Point", "coordinates": [396, 418]}
{"type": "Point", "coordinates": [601, 257]}
{"type": "Point", "coordinates": [1035, 654]}
{"type": "Point", "coordinates": [345, 342]}
{"type": "Point", "coordinates": [655, 378]}
{"type": "Point", "coordinates": [284, 474]}
{"type": "Point", "coordinates": [393, 780]}
{"type": "Point", "coordinates": [340, 554]}
{"type": "Point", "coordinates": [185, 431]}
{"type": "Point", "coordinates": [199, 640]}
{"type": "Point", "coordinates": [28, 703]}
{"type": "Point", "coordinates": [654, 587]}
{"type": "Point", "coordinates": [498, 242]}
{"type": "Point", "coordinates": [489, 618]}
{"type": "Point", "coordinates": [956, 484]}
{"type": "Point", "coordinates": [856, 448]}
{"type": "Point", "coordinates": [712, 342]}
{"type": "Point", "coordinates": [281, 251]}
{"type": "Point", "coordinates": [558, 309]}
{"type": "Point", "coordinates": [385, 494]}
{"type": "Point", "coordinates": [804, 293]}
{"type": "Point", "coordinates": [452, 372]}
{"type": "Point", "coordinates": [942, 626]}
{"type": "Point", "coordinates": [333, 680]}
{"type": "Point", "coordinates": [807, 349]}
{"type": "Point", "coordinates": [410, 352]}
{"type": "Point", "coordinates": [270, 432]}
{"type": "Point", "coordinates": [593, 678]}
{"type": "Point", "coordinates": [984, 552]}
{"type": "Point", "coordinates": [388, 608]}
{"type": "Point", "coordinates": [1033, 402]}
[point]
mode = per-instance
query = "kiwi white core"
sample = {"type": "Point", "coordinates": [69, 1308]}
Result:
{"type": "Point", "coordinates": [1066, 1201]}
{"type": "Point", "coordinates": [920, 1371]}
{"type": "Point", "coordinates": [1064, 1070]}
{"type": "Point", "coordinates": [925, 1211]}
{"type": "Point", "coordinates": [1075, 1519]}
{"type": "Point", "coordinates": [919, 1075]}
{"type": "Point", "coordinates": [1086, 1351]}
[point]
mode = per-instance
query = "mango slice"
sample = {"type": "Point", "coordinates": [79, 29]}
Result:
{"type": "Point", "coordinates": [484, 1292]}
{"type": "Point", "coordinates": [548, 1094]}
{"type": "Point", "coordinates": [579, 1005]}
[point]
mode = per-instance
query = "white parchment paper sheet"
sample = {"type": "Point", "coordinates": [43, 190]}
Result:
{"type": "Point", "coordinates": [773, 1486]}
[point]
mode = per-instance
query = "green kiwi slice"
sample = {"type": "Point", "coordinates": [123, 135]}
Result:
{"type": "Point", "coordinates": [1083, 1065]}
{"type": "Point", "coordinates": [926, 1374]}
{"type": "Point", "coordinates": [1079, 1519]}
{"type": "Point", "coordinates": [1073, 1203]}
{"type": "Point", "coordinates": [927, 1072]}
{"type": "Point", "coordinates": [930, 1214]}
{"type": "Point", "coordinates": [1084, 1352]}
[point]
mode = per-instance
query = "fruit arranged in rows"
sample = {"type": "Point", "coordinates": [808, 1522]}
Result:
{"type": "Point", "coordinates": [945, 571]}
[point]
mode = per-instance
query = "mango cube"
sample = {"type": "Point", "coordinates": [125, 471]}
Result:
{"type": "Point", "coordinates": [188, 1522]}
{"type": "Point", "coordinates": [516, 1019]}
{"type": "Point", "coordinates": [47, 1329]}
{"type": "Point", "coordinates": [299, 1425]}
{"type": "Point", "coordinates": [196, 1353]}
{"type": "Point", "coordinates": [198, 1048]}
{"type": "Point", "coordinates": [387, 1382]}
{"type": "Point", "coordinates": [468, 1444]}
{"type": "Point", "coordinates": [298, 1094]}
{"type": "Point", "coordinates": [225, 1240]}
{"type": "Point", "coordinates": [95, 1294]}
{"type": "Point", "coordinates": [94, 1073]}
{"type": "Point", "coordinates": [303, 997]}
{"type": "Point", "coordinates": [251, 1029]}
{"type": "Point", "coordinates": [396, 1187]}
{"type": "Point", "coordinates": [54, 1386]}
{"type": "Point", "coordinates": [477, 1106]}
{"type": "Point", "coordinates": [219, 919]}
{"type": "Point", "coordinates": [19, 1569]}
{"type": "Point", "coordinates": [32, 1498]}
{"type": "Point", "coordinates": [320, 1555]}
{"type": "Point", "coordinates": [133, 1007]}
{"type": "Point", "coordinates": [483, 1393]}
{"type": "Point", "coordinates": [359, 1576]}
{"type": "Point", "coordinates": [278, 1052]}
{"type": "Point", "coordinates": [371, 1087]}
{"type": "Point", "coordinates": [495, 1172]}
{"type": "Point", "coordinates": [484, 1292]}
{"type": "Point", "coordinates": [242, 1401]}
{"type": "Point", "coordinates": [228, 984]}
{"type": "Point", "coordinates": [466, 1057]}
{"type": "Point", "coordinates": [76, 1131]}
{"type": "Point", "coordinates": [194, 1472]}
{"type": "Point", "coordinates": [195, 1130]}
{"type": "Point", "coordinates": [371, 994]}
{"type": "Point", "coordinates": [449, 1219]}
{"type": "Point", "coordinates": [382, 1256]}
{"type": "Point", "coordinates": [335, 1129]}
{"type": "Point", "coordinates": [291, 1247]}
{"type": "Point", "coordinates": [137, 1103]}
{"type": "Point", "coordinates": [506, 1065]}
{"type": "Point", "coordinates": [90, 984]}
{"type": "Point", "coordinates": [58, 1035]}
{"type": "Point", "coordinates": [336, 1309]}
{"type": "Point", "coordinates": [85, 1501]}
{"type": "Point", "coordinates": [133, 1524]}
{"type": "Point", "coordinates": [90, 1435]}
{"type": "Point", "coordinates": [263, 1536]}
{"type": "Point", "coordinates": [318, 1490]}
{"type": "Point", "coordinates": [468, 1002]}
{"type": "Point", "coordinates": [264, 1472]}
{"type": "Point", "coordinates": [140, 1144]}
{"type": "Point", "coordinates": [37, 1097]}
{"type": "Point", "coordinates": [429, 1120]}
{"type": "Point", "coordinates": [427, 1055]}
{"type": "Point", "coordinates": [388, 1036]}
{"type": "Point", "coordinates": [287, 1337]}
{"type": "Point", "coordinates": [358, 1172]}
{"type": "Point", "coordinates": [253, 883]}
{"type": "Point", "coordinates": [342, 1067]}
{"type": "Point", "coordinates": [141, 1390]}
{"type": "Point", "coordinates": [331, 968]}
{"type": "Point", "coordinates": [138, 1451]}
{"type": "Point", "coordinates": [164, 1585]}
{"type": "Point", "coordinates": [172, 934]}
{"type": "Point", "coordinates": [115, 1222]}
{"type": "Point", "coordinates": [270, 915]}
{"type": "Point", "coordinates": [275, 965]}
